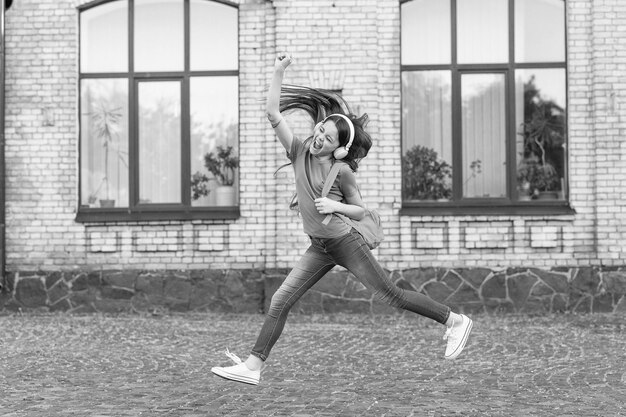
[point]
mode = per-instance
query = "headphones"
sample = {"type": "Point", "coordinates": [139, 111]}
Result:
{"type": "Point", "coordinates": [341, 152]}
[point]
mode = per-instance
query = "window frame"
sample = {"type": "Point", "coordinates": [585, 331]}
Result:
{"type": "Point", "coordinates": [137, 211]}
{"type": "Point", "coordinates": [510, 205]}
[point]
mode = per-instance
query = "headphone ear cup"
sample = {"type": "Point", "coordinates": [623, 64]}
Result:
{"type": "Point", "coordinates": [340, 153]}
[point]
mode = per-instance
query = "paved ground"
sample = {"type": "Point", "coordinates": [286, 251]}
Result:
{"type": "Point", "coordinates": [63, 365]}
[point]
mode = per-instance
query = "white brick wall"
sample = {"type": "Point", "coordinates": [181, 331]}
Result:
{"type": "Point", "coordinates": [608, 66]}
{"type": "Point", "coordinates": [359, 42]}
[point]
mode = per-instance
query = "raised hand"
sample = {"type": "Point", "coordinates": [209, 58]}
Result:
{"type": "Point", "coordinates": [283, 60]}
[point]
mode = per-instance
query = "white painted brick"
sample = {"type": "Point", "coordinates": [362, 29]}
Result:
{"type": "Point", "coordinates": [364, 42]}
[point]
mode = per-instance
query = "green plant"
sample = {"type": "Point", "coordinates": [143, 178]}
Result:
{"type": "Point", "coordinates": [425, 176]}
{"type": "Point", "coordinates": [547, 180]}
{"type": "Point", "coordinates": [526, 172]}
{"type": "Point", "coordinates": [477, 168]}
{"type": "Point", "coordinates": [222, 164]}
{"type": "Point", "coordinates": [106, 127]}
{"type": "Point", "coordinates": [543, 128]}
{"type": "Point", "coordinates": [199, 185]}
{"type": "Point", "coordinates": [535, 172]}
{"type": "Point", "coordinates": [543, 131]}
{"type": "Point", "coordinates": [534, 177]}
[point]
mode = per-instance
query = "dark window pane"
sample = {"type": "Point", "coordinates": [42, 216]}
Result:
{"type": "Point", "coordinates": [426, 135]}
{"type": "Point", "coordinates": [540, 141]}
{"type": "Point", "coordinates": [214, 123]}
{"type": "Point", "coordinates": [159, 35]}
{"type": "Point", "coordinates": [159, 142]}
{"type": "Point", "coordinates": [214, 35]}
{"type": "Point", "coordinates": [426, 32]}
{"type": "Point", "coordinates": [484, 135]}
{"type": "Point", "coordinates": [539, 30]}
{"type": "Point", "coordinates": [104, 142]}
{"type": "Point", "coordinates": [483, 31]}
{"type": "Point", "coordinates": [104, 38]}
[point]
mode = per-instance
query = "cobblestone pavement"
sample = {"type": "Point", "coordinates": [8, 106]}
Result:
{"type": "Point", "coordinates": [344, 365]}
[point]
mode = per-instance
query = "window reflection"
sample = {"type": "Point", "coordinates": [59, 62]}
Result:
{"type": "Point", "coordinates": [211, 21]}
{"type": "Point", "coordinates": [214, 123]}
{"type": "Point", "coordinates": [427, 135]}
{"type": "Point", "coordinates": [159, 35]}
{"type": "Point", "coordinates": [540, 142]}
{"type": "Point", "coordinates": [484, 135]}
{"type": "Point", "coordinates": [539, 30]}
{"type": "Point", "coordinates": [104, 142]}
{"type": "Point", "coordinates": [159, 142]}
{"type": "Point", "coordinates": [104, 38]}
{"type": "Point", "coordinates": [426, 32]}
{"type": "Point", "coordinates": [148, 163]}
{"type": "Point", "coordinates": [482, 31]}
{"type": "Point", "coordinates": [471, 113]}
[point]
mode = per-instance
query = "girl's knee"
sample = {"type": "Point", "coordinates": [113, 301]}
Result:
{"type": "Point", "coordinates": [392, 296]}
{"type": "Point", "coordinates": [279, 303]}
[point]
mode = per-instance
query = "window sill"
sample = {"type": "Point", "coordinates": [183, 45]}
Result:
{"type": "Point", "coordinates": [89, 215]}
{"type": "Point", "coordinates": [525, 208]}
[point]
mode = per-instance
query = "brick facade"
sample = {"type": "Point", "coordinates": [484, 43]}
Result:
{"type": "Point", "coordinates": [359, 40]}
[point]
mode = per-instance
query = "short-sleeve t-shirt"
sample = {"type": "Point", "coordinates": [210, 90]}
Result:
{"type": "Point", "coordinates": [310, 173]}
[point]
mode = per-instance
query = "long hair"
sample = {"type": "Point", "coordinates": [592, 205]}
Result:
{"type": "Point", "coordinates": [319, 103]}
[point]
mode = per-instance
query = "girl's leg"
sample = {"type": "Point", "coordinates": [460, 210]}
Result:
{"type": "Point", "coordinates": [351, 252]}
{"type": "Point", "coordinates": [313, 265]}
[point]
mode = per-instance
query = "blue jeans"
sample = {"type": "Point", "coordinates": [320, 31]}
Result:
{"type": "Point", "coordinates": [351, 252]}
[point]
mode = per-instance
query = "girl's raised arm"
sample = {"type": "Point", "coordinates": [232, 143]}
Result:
{"type": "Point", "coordinates": [272, 106]}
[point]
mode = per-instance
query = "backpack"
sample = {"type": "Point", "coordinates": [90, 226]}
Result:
{"type": "Point", "coordinates": [369, 227]}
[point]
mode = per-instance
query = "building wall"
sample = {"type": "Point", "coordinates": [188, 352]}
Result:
{"type": "Point", "coordinates": [42, 159]}
{"type": "Point", "coordinates": [607, 24]}
{"type": "Point", "coordinates": [360, 41]}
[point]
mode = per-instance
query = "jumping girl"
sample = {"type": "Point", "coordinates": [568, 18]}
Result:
{"type": "Point", "coordinates": [338, 136]}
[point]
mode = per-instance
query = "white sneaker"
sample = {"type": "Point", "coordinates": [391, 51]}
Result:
{"type": "Point", "coordinates": [457, 335]}
{"type": "Point", "coordinates": [239, 372]}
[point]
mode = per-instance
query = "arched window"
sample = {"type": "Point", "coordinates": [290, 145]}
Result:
{"type": "Point", "coordinates": [158, 105]}
{"type": "Point", "coordinates": [483, 105]}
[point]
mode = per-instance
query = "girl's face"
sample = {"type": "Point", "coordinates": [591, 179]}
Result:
{"type": "Point", "coordinates": [325, 139]}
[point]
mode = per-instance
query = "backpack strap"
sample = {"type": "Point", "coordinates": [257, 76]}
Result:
{"type": "Point", "coordinates": [328, 183]}
{"type": "Point", "coordinates": [330, 178]}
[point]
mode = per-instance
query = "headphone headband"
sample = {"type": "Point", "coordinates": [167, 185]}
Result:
{"type": "Point", "coordinates": [350, 125]}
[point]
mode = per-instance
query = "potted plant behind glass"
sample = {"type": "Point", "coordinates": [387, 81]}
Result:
{"type": "Point", "coordinates": [526, 172]}
{"type": "Point", "coordinates": [425, 176]}
{"type": "Point", "coordinates": [106, 125]}
{"type": "Point", "coordinates": [537, 180]}
{"type": "Point", "coordinates": [223, 164]}
{"type": "Point", "coordinates": [547, 182]}
{"type": "Point", "coordinates": [543, 131]}
{"type": "Point", "coordinates": [199, 188]}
